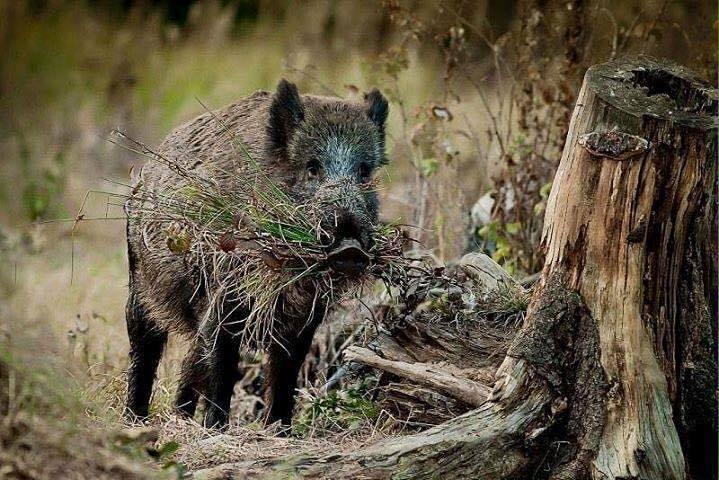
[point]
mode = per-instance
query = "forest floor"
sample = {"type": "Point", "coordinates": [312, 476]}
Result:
{"type": "Point", "coordinates": [65, 377]}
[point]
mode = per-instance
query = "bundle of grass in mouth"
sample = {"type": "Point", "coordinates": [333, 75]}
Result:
{"type": "Point", "coordinates": [251, 241]}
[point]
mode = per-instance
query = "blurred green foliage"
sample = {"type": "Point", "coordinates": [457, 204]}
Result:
{"type": "Point", "coordinates": [43, 188]}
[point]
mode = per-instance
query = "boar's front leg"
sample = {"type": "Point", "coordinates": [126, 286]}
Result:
{"type": "Point", "coordinates": [281, 371]}
{"type": "Point", "coordinates": [147, 342]}
{"type": "Point", "coordinates": [222, 360]}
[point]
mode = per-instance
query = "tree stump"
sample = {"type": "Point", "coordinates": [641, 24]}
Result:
{"type": "Point", "coordinates": [613, 373]}
{"type": "Point", "coordinates": [633, 189]}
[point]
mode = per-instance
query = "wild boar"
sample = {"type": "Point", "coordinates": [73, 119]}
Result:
{"type": "Point", "coordinates": [312, 146]}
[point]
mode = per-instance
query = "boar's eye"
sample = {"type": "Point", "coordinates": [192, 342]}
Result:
{"type": "Point", "coordinates": [365, 172]}
{"type": "Point", "coordinates": [313, 168]}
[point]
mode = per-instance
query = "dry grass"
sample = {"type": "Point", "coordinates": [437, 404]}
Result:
{"type": "Point", "coordinates": [80, 331]}
{"type": "Point", "coordinates": [203, 448]}
{"type": "Point", "coordinates": [252, 241]}
{"type": "Point", "coordinates": [44, 431]}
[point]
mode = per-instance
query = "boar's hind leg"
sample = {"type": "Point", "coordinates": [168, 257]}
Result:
{"type": "Point", "coordinates": [281, 372]}
{"type": "Point", "coordinates": [221, 375]}
{"type": "Point", "coordinates": [146, 345]}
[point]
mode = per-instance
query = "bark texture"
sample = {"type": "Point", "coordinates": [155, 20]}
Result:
{"type": "Point", "coordinates": [612, 375]}
{"type": "Point", "coordinates": [637, 172]}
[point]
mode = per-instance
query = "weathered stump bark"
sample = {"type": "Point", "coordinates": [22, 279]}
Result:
{"type": "Point", "coordinates": [613, 373]}
{"type": "Point", "coordinates": [637, 178]}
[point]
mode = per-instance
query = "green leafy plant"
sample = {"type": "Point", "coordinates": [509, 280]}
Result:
{"type": "Point", "coordinates": [340, 410]}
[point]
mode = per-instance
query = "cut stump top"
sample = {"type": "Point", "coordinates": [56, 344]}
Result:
{"type": "Point", "coordinates": [645, 86]}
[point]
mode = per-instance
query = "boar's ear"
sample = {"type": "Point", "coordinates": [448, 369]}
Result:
{"type": "Point", "coordinates": [286, 113]}
{"type": "Point", "coordinates": [377, 108]}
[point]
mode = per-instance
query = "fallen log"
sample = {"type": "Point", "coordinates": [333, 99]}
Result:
{"type": "Point", "coordinates": [434, 377]}
{"type": "Point", "coordinates": [613, 372]}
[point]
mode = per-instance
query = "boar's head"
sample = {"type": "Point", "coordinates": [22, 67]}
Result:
{"type": "Point", "coordinates": [327, 150]}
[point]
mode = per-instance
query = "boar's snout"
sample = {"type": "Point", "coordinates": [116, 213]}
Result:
{"type": "Point", "coordinates": [348, 252]}
{"type": "Point", "coordinates": [348, 258]}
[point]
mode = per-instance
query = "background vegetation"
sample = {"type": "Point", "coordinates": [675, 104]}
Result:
{"type": "Point", "coordinates": [481, 93]}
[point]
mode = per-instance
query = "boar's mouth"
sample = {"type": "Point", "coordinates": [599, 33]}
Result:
{"type": "Point", "coordinates": [348, 258]}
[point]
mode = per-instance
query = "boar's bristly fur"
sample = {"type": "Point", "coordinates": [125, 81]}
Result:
{"type": "Point", "coordinates": [319, 150]}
